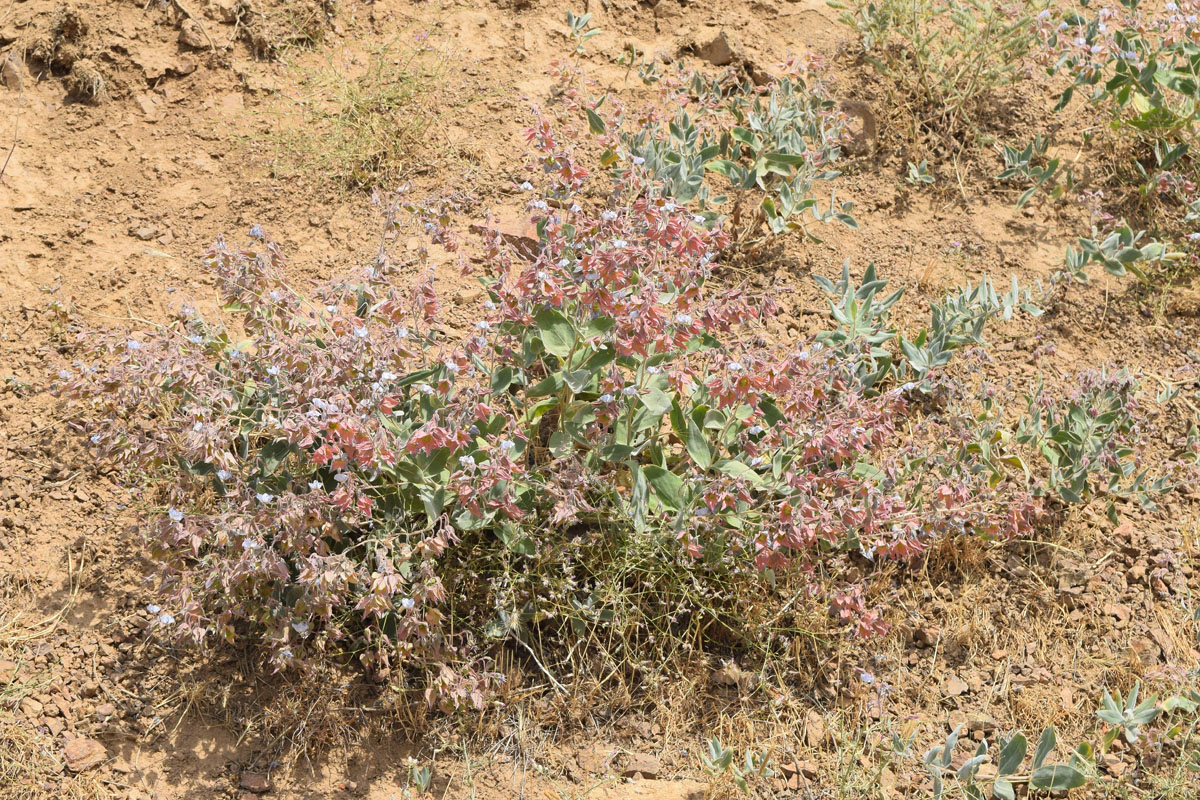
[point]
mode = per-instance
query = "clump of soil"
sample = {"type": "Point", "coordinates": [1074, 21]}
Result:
{"type": "Point", "coordinates": [60, 46]}
{"type": "Point", "coordinates": [66, 48]}
{"type": "Point", "coordinates": [86, 81]}
{"type": "Point", "coordinates": [30, 766]}
{"type": "Point", "coordinates": [280, 25]}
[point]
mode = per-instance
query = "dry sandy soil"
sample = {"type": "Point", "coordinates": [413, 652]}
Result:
{"type": "Point", "coordinates": [105, 208]}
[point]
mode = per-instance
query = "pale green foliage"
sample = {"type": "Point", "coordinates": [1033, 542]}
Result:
{"type": "Point", "coordinates": [1007, 757]}
{"type": "Point", "coordinates": [1029, 165]}
{"type": "Point", "coordinates": [1121, 251]}
{"type": "Point", "coordinates": [771, 148]}
{"type": "Point", "coordinates": [1089, 441]}
{"type": "Point", "coordinates": [1144, 64]}
{"type": "Point", "coordinates": [954, 322]}
{"type": "Point", "coordinates": [720, 760]}
{"type": "Point", "coordinates": [919, 173]}
{"type": "Point", "coordinates": [1127, 714]}
{"type": "Point", "coordinates": [580, 29]}
{"type": "Point", "coordinates": [946, 56]}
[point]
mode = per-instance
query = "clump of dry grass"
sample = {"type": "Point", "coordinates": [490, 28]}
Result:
{"type": "Point", "coordinates": [31, 769]}
{"type": "Point", "coordinates": [359, 131]}
{"type": "Point", "coordinates": [274, 29]}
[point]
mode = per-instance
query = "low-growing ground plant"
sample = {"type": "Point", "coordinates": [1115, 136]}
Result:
{"type": "Point", "coordinates": [751, 157]}
{"type": "Point", "coordinates": [1127, 716]}
{"type": "Point", "coordinates": [1029, 165]}
{"type": "Point", "coordinates": [956, 321]}
{"type": "Point", "coordinates": [947, 59]}
{"type": "Point", "coordinates": [1154, 730]}
{"type": "Point", "coordinates": [721, 761]}
{"type": "Point", "coordinates": [612, 455]}
{"type": "Point", "coordinates": [919, 174]}
{"type": "Point", "coordinates": [1140, 64]}
{"type": "Point", "coordinates": [359, 131]}
{"type": "Point", "coordinates": [965, 780]}
{"type": "Point", "coordinates": [1141, 59]}
{"type": "Point", "coordinates": [1121, 252]}
{"type": "Point", "coordinates": [1091, 441]}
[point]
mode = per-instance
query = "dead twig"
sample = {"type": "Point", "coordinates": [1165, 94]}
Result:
{"type": "Point", "coordinates": [13, 149]}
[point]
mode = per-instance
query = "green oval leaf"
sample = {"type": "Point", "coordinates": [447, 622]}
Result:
{"type": "Point", "coordinates": [667, 486]}
{"type": "Point", "coordinates": [558, 336]}
{"type": "Point", "coordinates": [1012, 755]}
{"type": "Point", "coordinates": [1057, 778]}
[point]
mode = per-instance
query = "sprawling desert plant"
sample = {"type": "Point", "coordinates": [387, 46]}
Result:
{"type": "Point", "coordinates": [863, 333]}
{"type": "Point", "coordinates": [1143, 62]}
{"type": "Point", "coordinates": [612, 446]}
{"type": "Point", "coordinates": [1154, 730]}
{"type": "Point", "coordinates": [1121, 251]}
{"type": "Point", "coordinates": [1090, 440]}
{"type": "Point", "coordinates": [773, 146]}
{"type": "Point", "coordinates": [1007, 758]}
{"type": "Point", "coordinates": [1140, 63]}
{"type": "Point", "coordinates": [947, 58]}
{"type": "Point", "coordinates": [751, 157]}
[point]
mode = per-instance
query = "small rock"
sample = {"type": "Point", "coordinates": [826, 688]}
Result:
{"type": "Point", "coordinates": [255, 782]}
{"type": "Point", "coordinates": [1145, 649]}
{"type": "Point", "coordinates": [182, 68]}
{"type": "Point", "coordinates": [642, 765]}
{"type": "Point", "coordinates": [192, 35]}
{"type": "Point", "coordinates": [595, 759]}
{"type": "Point", "coordinates": [150, 105]}
{"type": "Point", "coordinates": [1115, 766]}
{"type": "Point", "coordinates": [956, 686]}
{"type": "Point", "coordinates": [144, 232]}
{"type": "Point", "coordinates": [664, 9]}
{"type": "Point", "coordinates": [797, 767]}
{"type": "Point", "coordinates": [54, 724]}
{"type": "Point", "coordinates": [226, 11]}
{"type": "Point", "coordinates": [31, 708]}
{"type": "Point", "coordinates": [732, 675]}
{"type": "Point", "coordinates": [1120, 612]}
{"type": "Point", "coordinates": [105, 710]}
{"type": "Point", "coordinates": [8, 672]}
{"type": "Point", "coordinates": [154, 64]}
{"type": "Point", "coordinates": [82, 754]}
{"type": "Point", "coordinates": [12, 73]}
{"type": "Point", "coordinates": [925, 637]}
{"type": "Point", "coordinates": [718, 51]}
{"type": "Point", "coordinates": [1164, 642]}
{"type": "Point", "coordinates": [981, 723]}
{"type": "Point", "coordinates": [815, 731]}
{"type": "Point", "coordinates": [888, 783]}
{"type": "Point", "coordinates": [468, 294]}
